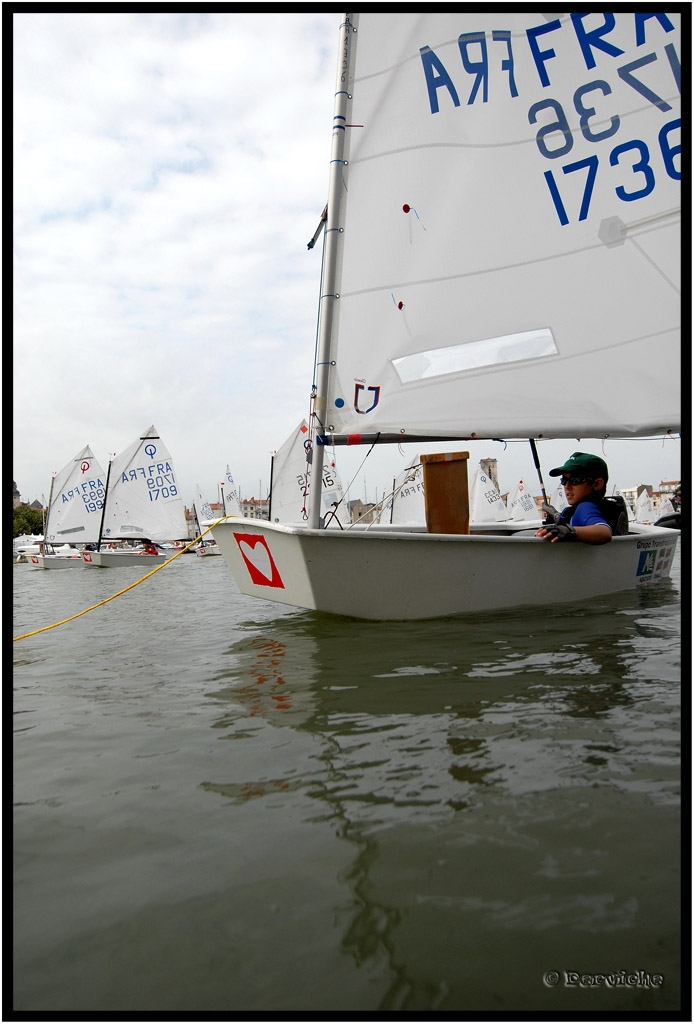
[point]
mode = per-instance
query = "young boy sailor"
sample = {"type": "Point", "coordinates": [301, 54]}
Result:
{"type": "Point", "coordinates": [589, 517]}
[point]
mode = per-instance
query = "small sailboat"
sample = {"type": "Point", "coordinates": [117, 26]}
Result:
{"type": "Point", "coordinates": [501, 247]}
{"type": "Point", "coordinates": [290, 476]}
{"type": "Point", "coordinates": [231, 500]}
{"type": "Point", "coordinates": [407, 503]}
{"type": "Point", "coordinates": [75, 504]}
{"type": "Point", "coordinates": [204, 515]}
{"type": "Point", "coordinates": [558, 500]}
{"type": "Point", "coordinates": [486, 503]}
{"type": "Point", "coordinates": [669, 514]}
{"type": "Point", "coordinates": [25, 546]}
{"type": "Point", "coordinates": [521, 505]}
{"type": "Point", "coordinates": [645, 512]}
{"type": "Point", "coordinates": [142, 505]}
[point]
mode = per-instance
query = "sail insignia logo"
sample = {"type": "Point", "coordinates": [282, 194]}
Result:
{"type": "Point", "coordinates": [259, 561]}
{"type": "Point", "coordinates": [375, 397]}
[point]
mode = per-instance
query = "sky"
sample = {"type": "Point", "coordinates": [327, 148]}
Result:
{"type": "Point", "coordinates": [169, 171]}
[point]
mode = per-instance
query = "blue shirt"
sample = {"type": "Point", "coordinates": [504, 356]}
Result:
{"type": "Point", "coordinates": [586, 513]}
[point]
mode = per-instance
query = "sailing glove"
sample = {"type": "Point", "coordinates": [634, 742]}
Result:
{"type": "Point", "coordinates": [551, 513]}
{"type": "Point", "coordinates": [561, 530]}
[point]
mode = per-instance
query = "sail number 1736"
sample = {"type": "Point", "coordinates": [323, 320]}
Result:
{"type": "Point", "coordinates": [633, 155]}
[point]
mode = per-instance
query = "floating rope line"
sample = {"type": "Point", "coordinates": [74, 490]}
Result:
{"type": "Point", "coordinates": [126, 589]}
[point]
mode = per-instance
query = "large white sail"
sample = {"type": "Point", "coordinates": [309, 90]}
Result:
{"type": "Point", "coordinates": [143, 498]}
{"type": "Point", "coordinates": [76, 501]}
{"type": "Point", "coordinates": [291, 476]}
{"type": "Point", "coordinates": [509, 226]}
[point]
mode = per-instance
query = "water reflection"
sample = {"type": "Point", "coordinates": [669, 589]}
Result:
{"type": "Point", "coordinates": [475, 741]}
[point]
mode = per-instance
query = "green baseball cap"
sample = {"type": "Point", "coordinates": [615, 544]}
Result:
{"type": "Point", "coordinates": [591, 465]}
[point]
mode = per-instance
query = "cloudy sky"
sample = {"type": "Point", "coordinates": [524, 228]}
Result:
{"type": "Point", "coordinates": [169, 170]}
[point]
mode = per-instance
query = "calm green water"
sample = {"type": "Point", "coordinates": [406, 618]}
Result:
{"type": "Point", "coordinates": [223, 805]}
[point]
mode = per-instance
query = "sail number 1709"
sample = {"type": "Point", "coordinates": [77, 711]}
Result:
{"type": "Point", "coordinates": [161, 490]}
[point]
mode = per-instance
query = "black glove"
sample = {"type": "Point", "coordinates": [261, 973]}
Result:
{"type": "Point", "coordinates": [561, 530]}
{"type": "Point", "coordinates": [551, 513]}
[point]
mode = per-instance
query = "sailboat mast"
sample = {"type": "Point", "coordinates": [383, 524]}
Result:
{"type": "Point", "coordinates": [48, 516]}
{"type": "Point", "coordinates": [103, 508]}
{"type": "Point", "coordinates": [269, 504]}
{"type": "Point", "coordinates": [332, 234]}
{"type": "Point", "coordinates": [536, 459]}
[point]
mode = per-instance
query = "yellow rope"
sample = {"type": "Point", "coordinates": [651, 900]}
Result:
{"type": "Point", "coordinates": [126, 589]}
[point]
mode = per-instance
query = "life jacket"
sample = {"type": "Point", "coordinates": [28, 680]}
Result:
{"type": "Point", "coordinates": [613, 509]}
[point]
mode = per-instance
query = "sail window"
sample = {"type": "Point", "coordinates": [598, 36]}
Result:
{"type": "Point", "coordinates": [442, 362]}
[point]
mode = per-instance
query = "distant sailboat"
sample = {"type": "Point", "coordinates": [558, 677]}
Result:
{"type": "Point", "coordinates": [75, 504]}
{"type": "Point", "coordinates": [618, 494]}
{"type": "Point", "coordinates": [231, 500]}
{"type": "Point", "coordinates": [142, 503]}
{"type": "Point", "coordinates": [521, 504]}
{"type": "Point", "coordinates": [204, 516]}
{"type": "Point", "coordinates": [558, 499]}
{"type": "Point", "coordinates": [486, 504]}
{"type": "Point", "coordinates": [290, 479]}
{"type": "Point", "coordinates": [405, 504]}
{"type": "Point", "coordinates": [645, 512]}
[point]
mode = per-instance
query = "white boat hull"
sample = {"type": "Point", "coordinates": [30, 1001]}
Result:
{"type": "Point", "coordinates": [57, 561]}
{"type": "Point", "coordinates": [208, 552]}
{"type": "Point", "coordinates": [383, 574]}
{"type": "Point", "coordinates": [115, 559]}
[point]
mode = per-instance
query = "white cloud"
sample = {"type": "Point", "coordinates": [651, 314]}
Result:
{"type": "Point", "coordinates": [169, 171]}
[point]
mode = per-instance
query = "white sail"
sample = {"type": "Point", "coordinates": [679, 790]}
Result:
{"type": "Point", "coordinates": [486, 504]}
{"type": "Point", "coordinates": [291, 477]}
{"type": "Point", "coordinates": [76, 501]}
{"type": "Point", "coordinates": [520, 503]}
{"type": "Point", "coordinates": [509, 226]}
{"type": "Point", "coordinates": [143, 498]}
{"type": "Point", "coordinates": [407, 506]}
{"type": "Point", "coordinates": [666, 508]}
{"type": "Point", "coordinates": [230, 495]}
{"type": "Point", "coordinates": [203, 510]}
{"type": "Point", "coordinates": [645, 513]}
{"type": "Point", "coordinates": [204, 515]}
{"type": "Point", "coordinates": [558, 499]}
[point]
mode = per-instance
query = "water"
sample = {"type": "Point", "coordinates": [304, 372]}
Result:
{"type": "Point", "coordinates": [224, 805]}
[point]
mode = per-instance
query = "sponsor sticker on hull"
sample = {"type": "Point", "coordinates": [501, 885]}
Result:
{"type": "Point", "coordinates": [655, 559]}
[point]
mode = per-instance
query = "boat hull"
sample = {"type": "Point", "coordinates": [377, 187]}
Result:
{"type": "Point", "coordinates": [208, 552]}
{"type": "Point", "coordinates": [379, 574]}
{"type": "Point", "coordinates": [116, 559]}
{"type": "Point", "coordinates": [57, 561]}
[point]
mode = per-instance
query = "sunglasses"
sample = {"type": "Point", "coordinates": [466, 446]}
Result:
{"type": "Point", "coordinates": [575, 480]}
